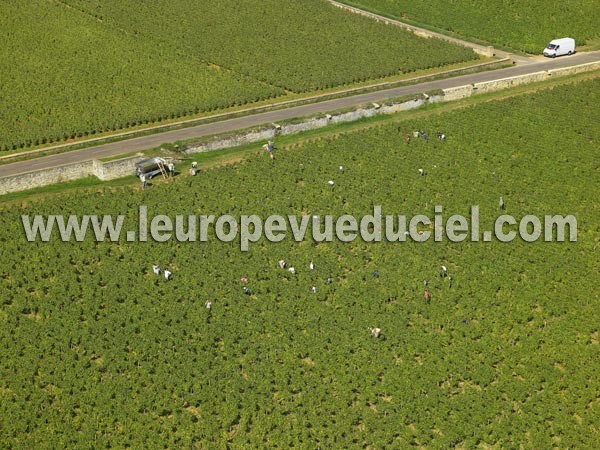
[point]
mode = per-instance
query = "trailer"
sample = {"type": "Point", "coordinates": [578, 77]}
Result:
{"type": "Point", "coordinates": [151, 167]}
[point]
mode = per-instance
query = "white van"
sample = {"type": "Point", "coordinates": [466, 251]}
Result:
{"type": "Point", "coordinates": [559, 47]}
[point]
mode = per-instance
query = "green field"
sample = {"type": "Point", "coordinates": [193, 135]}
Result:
{"type": "Point", "coordinates": [78, 68]}
{"type": "Point", "coordinates": [98, 352]}
{"type": "Point", "coordinates": [526, 26]}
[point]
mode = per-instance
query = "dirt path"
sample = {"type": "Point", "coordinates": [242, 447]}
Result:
{"type": "Point", "coordinates": [481, 49]}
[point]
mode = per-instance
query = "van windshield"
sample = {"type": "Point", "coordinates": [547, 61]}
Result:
{"type": "Point", "coordinates": [551, 46]}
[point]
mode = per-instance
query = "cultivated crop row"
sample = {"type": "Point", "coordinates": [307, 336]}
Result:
{"type": "Point", "coordinates": [79, 68]}
{"type": "Point", "coordinates": [98, 351]}
{"type": "Point", "coordinates": [525, 26]}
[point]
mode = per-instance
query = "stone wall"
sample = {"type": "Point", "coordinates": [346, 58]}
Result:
{"type": "Point", "coordinates": [491, 86]}
{"type": "Point", "coordinates": [305, 125]}
{"type": "Point", "coordinates": [233, 140]}
{"type": "Point", "coordinates": [458, 93]}
{"type": "Point", "coordinates": [103, 170]}
{"type": "Point", "coordinates": [351, 116]}
{"type": "Point", "coordinates": [576, 69]}
{"type": "Point", "coordinates": [117, 168]}
{"type": "Point", "coordinates": [505, 83]}
{"type": "Point", "coordinates": [40, 178]}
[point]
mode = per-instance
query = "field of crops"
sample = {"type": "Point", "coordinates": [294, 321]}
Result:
{"type": "Point", "coordinates": [97, 351]}
{"type": "Point", "coordinates": [526, 26]}
{"type": "Point", "coordinates": [76, 68]}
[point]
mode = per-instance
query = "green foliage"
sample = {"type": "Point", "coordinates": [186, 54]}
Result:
{"type": "Point", "coordinates": [301, 46]}
{"type": "Point", "coordinates": [97, 352]}
{"type": "Point", "coordinates": [67, 75]}
{"type": "Point", "coordinates": [526, 26]}
{"type": "Point", "coordinates": [78, 67]}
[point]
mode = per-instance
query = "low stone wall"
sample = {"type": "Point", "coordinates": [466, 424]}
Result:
{"type": "Point", "coordinates": [496, 85]}
{"type": "Point", "coordinates": [392, 108]}
{"type": "Point", "coordinates": [117, 168]}
{"type": "Point", "coordinates": [491, 86]}
{"type": "Point", "coordinates": [305, 125]}
{"type": "Point", "coordinates": [351, 116]}
{"type": "Point", "coordinates": [573, 70]}
{"type": "Point", "coordinates": [458, 93]}
{"type": "Point", "coordinates": [110, 170]}
{"type": "Point", "coordinates": [233, 140]}
{"type": "Point", "coordinates": [40, 178]}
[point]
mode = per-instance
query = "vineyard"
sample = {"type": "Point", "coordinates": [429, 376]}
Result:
{"type": "Point", "coordinates": [525, 26]}
{"type": "Point", "coordinates": [76, 68]}
{"type": "Point", "coordinates": [98, 352]}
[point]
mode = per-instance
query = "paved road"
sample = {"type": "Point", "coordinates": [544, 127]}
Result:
{"type": "Point", "coordinates": [145, 142]}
